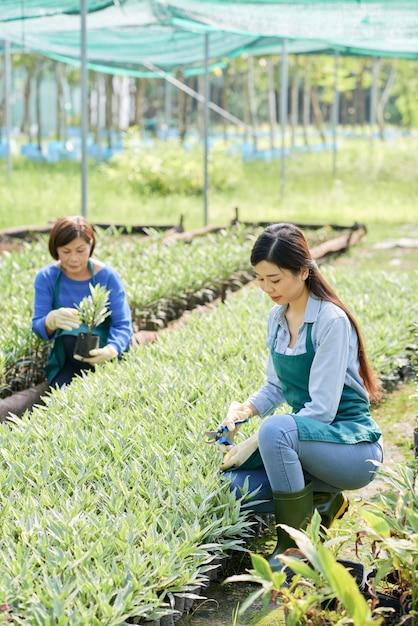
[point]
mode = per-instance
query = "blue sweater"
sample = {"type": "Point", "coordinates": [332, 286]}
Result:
{"type": "Point", "coordinates": [71, 292]}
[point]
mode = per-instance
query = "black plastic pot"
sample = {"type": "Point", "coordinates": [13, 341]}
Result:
{"type": "Point", "coordinates": [357, 571]}
{"type": "Point", "coordinates": [387, 601]}
{"type": "Point", "coordinates": [391, 601]}
{"type": "Point", "coordinates": [84, 343]}
{"type": "Point", "coordinates": [379, 599]}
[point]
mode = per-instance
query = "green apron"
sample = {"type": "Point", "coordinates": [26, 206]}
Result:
{"type": "Point", "coordinates": [352, 423]}
{"type": "Point", "coordinates": [57, 356]}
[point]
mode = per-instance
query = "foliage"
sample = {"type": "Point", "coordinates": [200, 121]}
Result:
{"type": "Point", "coordinates": [318, 589]}
{"type": "Point", "coordinates": [22, 354]}
{"type": "Point", "coordinates": [93, 309]}
{"type": "Point", "coordinates": [162, 281]}
{"type": "Point", "coordinates": [405, 94]}
{"type": "Point", "coordinates": [315, 589]}
{"type": "Point", "coordinates": [123, 478]}
{"type": "Point", "coordinates": [390, 524]}
{"type": "Point", "coordinates": [362, 293]}
{"type": "Point", "coordinates": [115, 501]}
{"type": "Point", "coordinates": [167, 167]}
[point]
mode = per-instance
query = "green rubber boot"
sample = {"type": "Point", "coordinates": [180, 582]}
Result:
{"type": "Point", "coordinates": [294, 509]}
{"type": "Point", "coordinates": [330, 506]}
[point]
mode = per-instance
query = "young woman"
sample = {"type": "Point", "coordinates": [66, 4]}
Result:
{"type": "Point", "coordinates": [317, 364]}
{"type": "Point", "coordinates": [65, 282]}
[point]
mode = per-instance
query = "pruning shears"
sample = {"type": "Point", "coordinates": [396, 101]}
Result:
{"type": "Point", "coordinates": [219, 436]}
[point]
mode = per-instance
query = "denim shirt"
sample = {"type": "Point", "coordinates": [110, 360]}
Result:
{"type": "Point", "coordinates": [335, 362]}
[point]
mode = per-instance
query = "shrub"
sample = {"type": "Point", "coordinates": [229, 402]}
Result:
{"type": "Point", "coordinates": [167, 168]}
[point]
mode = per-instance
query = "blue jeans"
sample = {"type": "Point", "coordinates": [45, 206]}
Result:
{"type": "Point", "coordinates": [290, 463]}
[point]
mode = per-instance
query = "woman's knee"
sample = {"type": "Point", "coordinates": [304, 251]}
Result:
{"type": "Point", "coordinates": [275, 429]}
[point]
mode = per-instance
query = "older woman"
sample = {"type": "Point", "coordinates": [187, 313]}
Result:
{"type": "Point", "coordinates": [61, 285]}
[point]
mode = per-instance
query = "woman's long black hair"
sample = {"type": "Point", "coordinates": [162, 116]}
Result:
{"type": "Point", "coordinates": [285, 246]}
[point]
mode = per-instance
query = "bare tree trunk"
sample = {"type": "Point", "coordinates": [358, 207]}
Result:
{"type": "Point", "coordinates": [252, 100]}
{"type": "Point", "coordinates": [97, 132]}
{"type": "Point", "coordinates": [216, 92]}
{"type": "Point", "coordinates": [294, 106]}
{"type": "Point", "coordinates": [2, 116]}
{"type": "Point", "coordinates": [159, 105]}
{"type": "Point", "coordinates": [246, 107]}
{"type": "Point", "coordinates": [361, 106]}
{"type": "Point", "coordinates": [182, 108]}
{"type": "Point", "coordinates": [272, 103]}
{"type": "Point", "coordinates": [316, 109]}
{"type": "Point", "coordinates": [117, 96]}
{"type": "Point", "coordinates": [306, 103]}
{"type": "Point", "coordinates": [361, 98]}
{"type": "Point", "coordinates": [90, 87]}
{"type": "Point", "coordinates": [139, 103]}
{"type": "Point", "coordinates": [109, 108]}
{"type": "Point", "coordinates": [225, 97]}
{"type": "Point", "coordinates": [39, 73]}
{"type": "Point", "coordinates": [380, 107]}
{"type": "Point", "coordinates": [409, 99]}
{"type": "Point", "coordinates": [200, 105]}
{"type": "Point", "coordinates": [27, 90]}
{"type": "Point", "coordinates": [189, 102]}
{"type": "Point", "coordinates": [168, 103]}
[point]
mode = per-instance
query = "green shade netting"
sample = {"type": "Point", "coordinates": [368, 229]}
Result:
{"type": "Point", "coordinates": [130, 36]}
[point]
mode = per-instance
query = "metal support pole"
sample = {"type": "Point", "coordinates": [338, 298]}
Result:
{"type": "Point", "coordinates": [84, 108]}
{"type": "Point", "coordinates": [335, 116]}
{"type": "Point", "coordinates": [283, 111]}
{"type": "Point", "coordinates": [206, 131]}
{"type": "Point", "coordinates": [8, 109]}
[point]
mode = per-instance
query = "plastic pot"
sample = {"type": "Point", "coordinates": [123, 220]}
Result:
{"type": "Point", "coordinates": [84, 343]}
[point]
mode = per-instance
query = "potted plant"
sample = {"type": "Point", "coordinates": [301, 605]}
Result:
{"type": "Point", "coordinates": [321, 589]}
{"type": "Point", "coordinates": [315, 588]}
{"type": "Point", "coordinates": [92, 310]}
{"type": "Point", "coordinates": [391, 526]}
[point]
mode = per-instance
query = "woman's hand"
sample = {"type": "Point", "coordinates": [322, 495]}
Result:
{"type": "Point", "coordinates": [64, 318]}
{"type": "Point", "coordinates": [99, 355]}
{"type": "Point", "coordinates": [238, 412]}
{"type": "Point", "coordinates": [238, 454]}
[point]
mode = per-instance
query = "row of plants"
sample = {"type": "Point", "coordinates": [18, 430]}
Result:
{"type": "Point", "coordinates": [161, 281]}
{"type": "Point", "coordinates": [152, 273]}
{"type": "Point", "coordinates": [112, 504]}
{"type": "Point", "coordinates": [111, 499]}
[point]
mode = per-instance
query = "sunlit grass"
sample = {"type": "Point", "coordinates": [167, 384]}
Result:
{"type": "Point", "coordinates": [375, 183]}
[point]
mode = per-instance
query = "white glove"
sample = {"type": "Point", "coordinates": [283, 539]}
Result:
{"type": "Point", "coordinates": [240, 453]}
{"type": "Point", "coordinates": [99, 355]}
{"type": "Point", "coordinates": [238, 412]}
{"type": "Point", "coordinates": [63, 318]}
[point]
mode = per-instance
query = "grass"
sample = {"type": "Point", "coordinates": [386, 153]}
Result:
{"type": "Point", "coordinates": [376, 184]}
